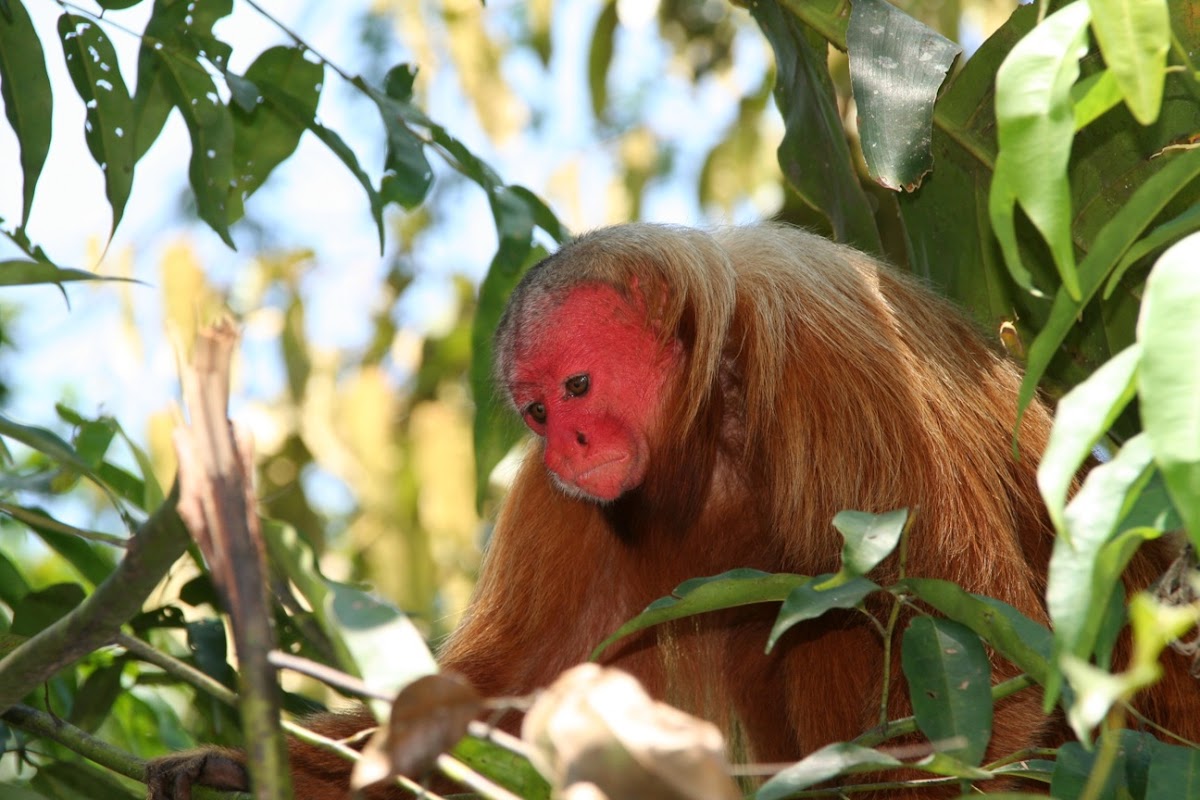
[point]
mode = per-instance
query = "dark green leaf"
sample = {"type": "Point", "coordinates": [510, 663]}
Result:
{"type": "Point", "coordinates": [209, 646]}
{"type": "Point", "coordinates": [95, 562]}
{"type": "Point", "coordinates": [600, 53]}
{"type": "Point", "coordinates": [897, 65]}
{"type": "Point", "coordinates": [813, 599]}
{"type": "Point", "coordinates": [18, 272]}
{"type": "Point", "coordinates": [265, 137]}
{"type": "Point", "coordinates": [828, 762]}
{"type": "Point", "coordinates": [814, 155]}
{"type": "Point", "coordinates": [737, 587]}
{"type": "Point", "coordinates": [92, 64]}
{"type": "Point", "coordinates": [949, 682]}
{"type": "Point", "coordinates": [1127, 777]}
{"type": "Point", "coordinates": [117, 5]}
{"type": "Point", "coordinates": [13, 585]}
{"type": "Point", "coordinates": [210, 126]}
{"type": "Point", "coordinates": [1022, 641]}
{"type": "Point", "coordinates": [288, 106]}
{"type": "Point", "coordinates": [407, 175]}
{"type": "Point", "coordinates": [28, 100]}
{"type": "Point", "coordinates": [1116, 237]}
{"type": "Point", "coordinates": [96, 696]}
{"type": "Point", "coordinates": [1172, 771]}
{"type": "Point", "coordinates": [38, 610]}
{"type": "Point", "coordinates": [79, 780]}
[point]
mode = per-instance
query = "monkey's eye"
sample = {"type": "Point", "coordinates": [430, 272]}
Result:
{"type": "Point", "coordinates": [577, 385]}
{"type": "Point", "coordinates": [537, 412]}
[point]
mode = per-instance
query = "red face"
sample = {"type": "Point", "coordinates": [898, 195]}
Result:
{"type": "Point", "coordinates": [592, 388]}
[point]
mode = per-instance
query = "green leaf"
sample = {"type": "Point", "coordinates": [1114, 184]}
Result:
{"type": "Point", "coordinates": [407, 175]}
{"type": "Point", "coordinates": [96, 696]}
{"type": "Point", "coordinates": [366, 633]}
{"type": "Point", "coordinates": [738, 587]}
{"type": "Point", "coordinates": [1169, 377]}
{"type": "Point", "coordinates": [38, 610]}
{"type": "Point", "coordinates": [497, 429]}
{"type": "Point", "coordinates": [1080, 584]}
{"type": "Point", "coordinates": [266, 135]}
{"type": "Point", "coordinates": [1162, 235]}
{"type": "Point", "coordinates": [504, 767]}
{"type": "Point", "coordinates": [812, 599]}
{"type": "Point", "coordinates": [92, 64]}
{"type": "Point", "coordinates": [1036, 126]}
{"type": "Point", "coordinates": [600, 53]}
{"type": "Point", "coordinates": [814, 155]}
{"type": "Point", "coordinates": [949, 682]}
{"type": "Point", "coordinates": [294, 109]}
{"type": "Point", "coordinates": [869, 538]}
{"type": "Point", "coordinates": [171, 72]}
{"type": "Point", "coordinates": [1134, 36]}
{"type": "Point", "coordinates": [1093, 96]}
{"type": "Point", "coordinates": [1135, 754]}
{"type": "Point", "coordinates": [184, 29]}
{"type": "Point", "coordinates": [1172, 771]}
{"type": "Point", "coordinates": [1114, 239]}
{"type": "Point", "coordinates": [18, 272]}
{"type": "Point", "coordinates": [897, 65]}
{"type": "Point", "coordinates": [1015, 636]}
{"type": "Point", "coordinates": [28, 100]}
{"type": "Point", "coordinates": [1084, 415]}
{"type": "Point", "coordinates": [13, 585]}
{"type": "Point", "coordinates": [828, 762]}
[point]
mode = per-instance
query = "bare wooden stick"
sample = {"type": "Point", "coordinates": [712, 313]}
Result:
{"type": "Point", "coordinates": [217, 504]}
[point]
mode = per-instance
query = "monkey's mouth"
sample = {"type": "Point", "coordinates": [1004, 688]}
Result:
{"type": "Point", "coordinates": [605, 481]}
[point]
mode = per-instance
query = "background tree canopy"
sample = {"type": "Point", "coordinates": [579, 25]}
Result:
{"type": "Point", "coordinates": [360, 187]}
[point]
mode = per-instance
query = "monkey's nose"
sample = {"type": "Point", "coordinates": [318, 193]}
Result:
{"type": "Point", "coordinates": [581, 438]}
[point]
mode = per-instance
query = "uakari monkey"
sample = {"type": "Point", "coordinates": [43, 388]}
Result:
{"type": "Point", "coordinates": [706, 401]}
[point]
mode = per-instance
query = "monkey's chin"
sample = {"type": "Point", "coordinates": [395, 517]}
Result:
{"type": "Point", "coordinates": [604, 482]}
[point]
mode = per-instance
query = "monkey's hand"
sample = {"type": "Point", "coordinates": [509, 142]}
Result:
{"type": "Point", "coordinates": [172, 777]}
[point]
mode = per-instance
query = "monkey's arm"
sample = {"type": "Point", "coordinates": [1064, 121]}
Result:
{"type": "Point", "coordinates": [316, 774]}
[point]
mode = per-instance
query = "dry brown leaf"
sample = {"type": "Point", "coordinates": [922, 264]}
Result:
{"type": "Point", "coordinates": [429, 717]}
{"type": "Point", "coordinates": [597, 733]}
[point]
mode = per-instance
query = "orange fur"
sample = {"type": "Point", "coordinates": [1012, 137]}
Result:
{"type": "Point", "coordinates": [813, 380]}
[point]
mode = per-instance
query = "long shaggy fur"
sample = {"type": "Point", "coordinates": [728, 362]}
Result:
{"type": "Point", "coordinates": [813, 379]}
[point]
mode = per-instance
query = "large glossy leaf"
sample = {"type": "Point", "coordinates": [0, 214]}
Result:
{"type": "Point", "coordinates": [1176, 178]}
{"type": "Point", "coordinates": [28, 100]}
{"type": "Point", "coordinates": [92, 64]}
{"type": "Point", "coordinates": [265, 135]}
{"type": "Point", "coordinates": [182, 28]}
{"type": "Point", "coordinates": [737, 587]}
{"type": "Point", "coordinates": [1134, 36]}
{"type": "Point", "coordinates": [407, 175]}
{"type": "Point", "coordinates": [868, 538]}
{"type": "Point", "coordinates": [826, 763]}
{"type": "Point", "coordinates": [1036, 126]}
{"type": "Point", "coordinates": [814, 598]}
{"type": "Point", "coordinates": [1084, 415]}
{"type": "Point", "coordinates": [814, 155]}
{"type": "Point", "coordinates": [1169, 377]}
{"type": "Point", "coordinates": [949, 682]}
{"type": "Point", "coordinates": [1078, 594]}
{"type": "Point", "coordinates": [371, 638]}
{"type": "Point", "coordinates": [1022, 641]}
{"type": "Point", "coordinates": [897, 65]}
